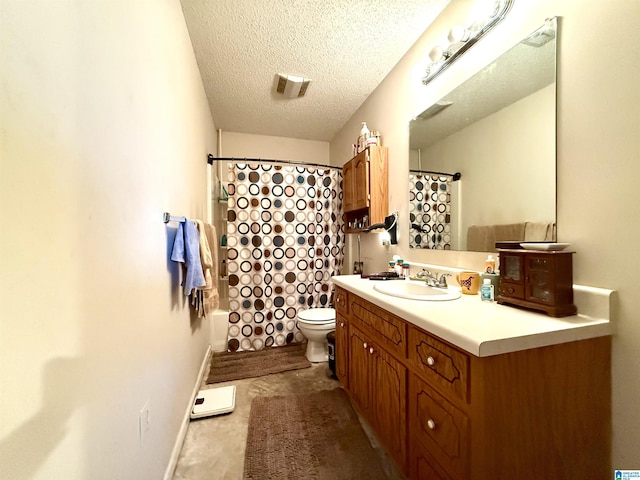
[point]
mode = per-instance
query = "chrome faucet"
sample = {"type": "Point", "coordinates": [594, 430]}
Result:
{"type": "Point", "coordinates": [432, 280]}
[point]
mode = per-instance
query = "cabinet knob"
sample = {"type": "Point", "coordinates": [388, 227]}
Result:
{"type": "Point", "coordinates": [365, 345]}
{"type": "Point", "coordinates": [431, 361]}
{"type": "Point", "coordinates": [431, 424]}
{"type": "Point", "coordinates": [342, 324]}
{"type": "Point", "coordinates": [371, 350]}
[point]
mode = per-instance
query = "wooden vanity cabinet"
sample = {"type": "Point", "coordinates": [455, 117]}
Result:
{"type": "Point", "coordinates": [444, 414]}
{"type": "Point", "coordinates": [365, 189]}
{"type": "Point", "coordinates": [377, 378]}
{"type": "Point", "coordinates": [342, 335]}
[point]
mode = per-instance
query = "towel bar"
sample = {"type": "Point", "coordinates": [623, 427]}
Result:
{"type": "Point", "coordinates": [167, 217]}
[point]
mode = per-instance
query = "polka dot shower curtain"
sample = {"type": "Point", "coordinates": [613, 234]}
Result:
{"type": "Point", "coordinates": [430, 211]}
{"type": "Point", "coordinates": [285, 241]}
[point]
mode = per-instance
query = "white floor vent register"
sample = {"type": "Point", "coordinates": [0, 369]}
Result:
{"type": "Point", "coordinates": [214, 401]}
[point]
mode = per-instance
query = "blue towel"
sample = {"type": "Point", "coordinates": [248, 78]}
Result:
{"type": "Point", "coordinates": [186, 249]}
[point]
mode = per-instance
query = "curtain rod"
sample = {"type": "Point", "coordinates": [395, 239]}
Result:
{"type": "Point", "coordinates": [456, 176]}
{"type": "Point", "coordinates": [211, 159]}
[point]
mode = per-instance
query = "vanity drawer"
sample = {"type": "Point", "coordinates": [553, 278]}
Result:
{"type": "Point", "coordinates": [439, 428]}
{"type": "Point", "coordinates": [446, 367]}
{"type": "Point", "coordinates": [389, 331]}
{"type": "Point", "coordinates": [341, 301]}
{"type": "Point", "coordinates": [512, 290]}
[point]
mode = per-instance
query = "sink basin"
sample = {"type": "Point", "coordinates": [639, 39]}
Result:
{"type": "Point", "coordinates": [415, 291]}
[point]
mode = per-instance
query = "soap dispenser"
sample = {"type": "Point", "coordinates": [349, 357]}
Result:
{"type": "Point", "coordinates": [364, 136]}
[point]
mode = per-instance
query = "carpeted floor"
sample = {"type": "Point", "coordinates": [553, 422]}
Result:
{"type": "Point", "coordinates": [228, 366]}
{"type": "Point", "coordinates": [314, 436]}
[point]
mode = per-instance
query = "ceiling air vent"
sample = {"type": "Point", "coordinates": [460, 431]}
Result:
{"type": "Point", "coordinates": [291, 86]}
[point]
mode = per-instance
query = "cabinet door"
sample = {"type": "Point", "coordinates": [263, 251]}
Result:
{"type": "Point", "coordinates": [390, 394]}
{"type": "Point", "coordinates": [511, 268]}
{"type": "Point", "coordinates": [359, 376]}
{"type": "Point", "coordinates": [342, 350]}
{"type": "Point", "coordinates": [540, 279]}
{"type": "Point", "coordinates": [361, 181]}
{"type": "Point", "coordinates": [348, 185]}
{"type": "Point", "coordinates": [440, 427]}
{"type": "Point", "coordinates": [423, 467]}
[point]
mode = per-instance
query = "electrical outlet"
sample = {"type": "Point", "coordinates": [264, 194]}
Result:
{"type": "Point", "coordinates": [144, 421]}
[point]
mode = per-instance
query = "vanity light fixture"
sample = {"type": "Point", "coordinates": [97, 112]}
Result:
{"type": "Point", "coordinates": [463, 38]}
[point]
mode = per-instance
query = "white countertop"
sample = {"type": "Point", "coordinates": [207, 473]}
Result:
{"type": "Point", "coordinates": [487, 328]}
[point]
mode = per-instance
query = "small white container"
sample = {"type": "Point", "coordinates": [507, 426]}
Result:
{"type": "Point", "coordinates": [487, 291]}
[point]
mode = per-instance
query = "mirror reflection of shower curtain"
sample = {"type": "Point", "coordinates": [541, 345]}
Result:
{"type": "Point", "coordinates": [285, 241]}
{"type": "Point", "coordinates": [430, 211]}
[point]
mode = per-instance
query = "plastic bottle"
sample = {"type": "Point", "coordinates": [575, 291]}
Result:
{"type": "Point", "coordinates": [405, 271]}
{"type": "Point", "coordinates": [392, 266]}
{"type": "Point", "coordinates": [399, 267]}
{"type": "Point", "coordinates": [490, 265]}
{"type": "Point", "coordinates": [223, 269]}
{"type": "Point", "coordinates": [364, 136]}
{"type": "Point", "coordinates": [486, 292]}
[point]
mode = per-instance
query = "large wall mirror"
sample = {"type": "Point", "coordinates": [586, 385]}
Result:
{"type": "Point", "coordinates": [498, 132]}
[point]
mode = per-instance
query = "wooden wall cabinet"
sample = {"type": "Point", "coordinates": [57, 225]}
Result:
{"type": "Point", "coordinates": [538, 280]}
{"type": "Point", "coordinates": [445, 414]}
{"type": "Point", "coordinates": [365, 189]}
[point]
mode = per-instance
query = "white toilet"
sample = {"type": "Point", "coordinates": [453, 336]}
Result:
{"type": "Point", "coordinates": [314, 324]}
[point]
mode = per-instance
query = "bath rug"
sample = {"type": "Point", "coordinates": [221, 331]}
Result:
{"type": "Point", "coordinates": [226, 366]}
{"type": "Point", "coordinates": [315, 436]}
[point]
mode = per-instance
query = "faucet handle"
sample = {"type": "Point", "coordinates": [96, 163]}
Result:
{"type": "Point", "coordinates": [424, 273]}
{"type": "Point", "coordinates": [443, 280]}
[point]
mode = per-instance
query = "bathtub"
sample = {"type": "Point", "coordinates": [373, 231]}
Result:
{"type": "Point", "coordinates": [218, 331]}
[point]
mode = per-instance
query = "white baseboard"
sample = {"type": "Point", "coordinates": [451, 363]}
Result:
{"type": "Point", "coordinates": [177, 447]}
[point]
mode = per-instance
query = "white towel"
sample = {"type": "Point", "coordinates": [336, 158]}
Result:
{"type": "Point", "coordinates": [207, 298]}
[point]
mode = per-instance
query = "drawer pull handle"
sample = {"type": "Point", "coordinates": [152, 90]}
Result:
{"type": "Point", "coordinates": [431, 424]}
{"type": "Point", "coordinates": [431, 361]}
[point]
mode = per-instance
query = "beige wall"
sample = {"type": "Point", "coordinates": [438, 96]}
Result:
{"type": "Point", "coordinates": [242, 145]}
{"type": "Point", "coordinates": [104, 125]}
{"type": "Point", "coordinates": [598, 151]}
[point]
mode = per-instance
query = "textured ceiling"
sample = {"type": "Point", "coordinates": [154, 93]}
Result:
{"type": "Point", "coordinates": [346, 47]}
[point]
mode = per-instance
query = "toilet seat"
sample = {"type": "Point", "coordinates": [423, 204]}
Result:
{"type": "Point", "coordinates": [317, 316]}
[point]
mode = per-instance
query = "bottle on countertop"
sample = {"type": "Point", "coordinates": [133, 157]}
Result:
{"type": "Point", "coordinates": [399, 263]}
{"type": "Point", "coordinates": [392, 266]}
{"type": "Point", "coordinates": [490, 265]}
{"type": "Point", "coordinates": [406, 268]}
{"type": "Point", "coordinates": [487, 291]}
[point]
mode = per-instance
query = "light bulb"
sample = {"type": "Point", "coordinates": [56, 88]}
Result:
{"type": "Point", "coordinates": [436, 53]}
{"type": "Point", "coordinates": [458, 34]}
